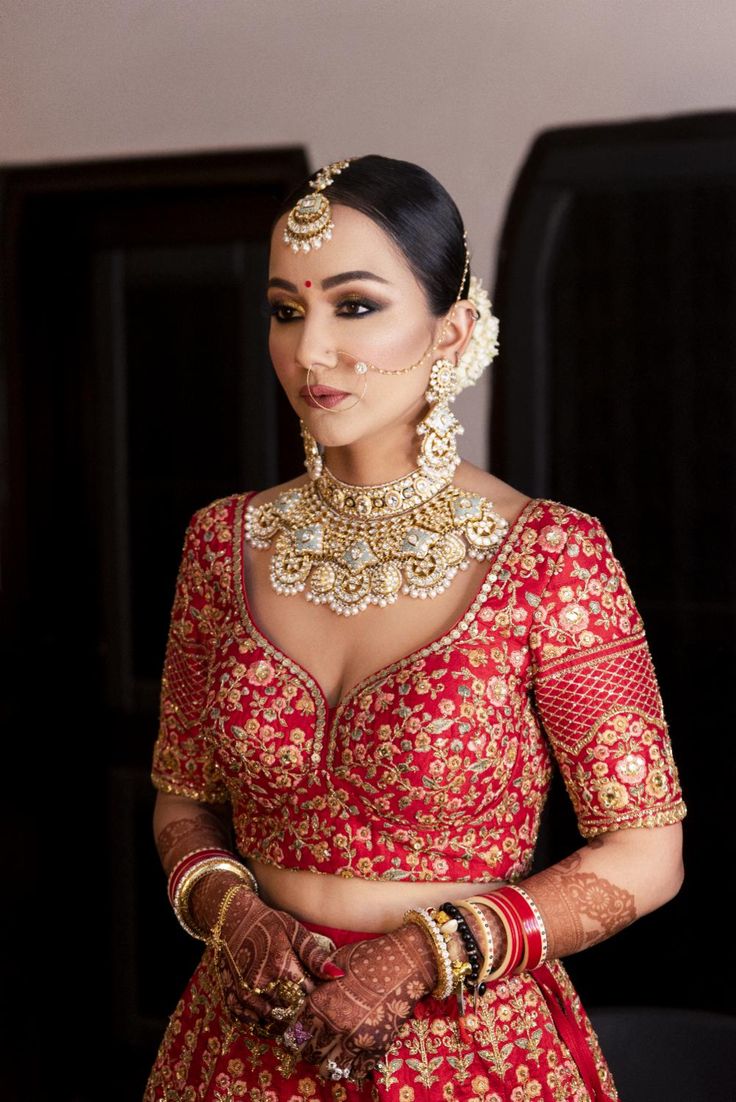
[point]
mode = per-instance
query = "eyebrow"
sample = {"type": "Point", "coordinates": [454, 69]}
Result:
{"type": "Point", "coordinates": [331, 281]}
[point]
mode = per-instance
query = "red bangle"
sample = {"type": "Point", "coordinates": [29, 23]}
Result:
{"type": "Point", "coordinates": [186, 863]}
{"type": "Point", "coordinates": [533, 933]}
{"type": "Point", "coordinates": [515, 944]}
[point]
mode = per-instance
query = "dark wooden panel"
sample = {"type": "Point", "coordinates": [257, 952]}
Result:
{"type": "Point", "coordinates": [136, 388]}
{"type": "Point", "coordinates": [616, 392]}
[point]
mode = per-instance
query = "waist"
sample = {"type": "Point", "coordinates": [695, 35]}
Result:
{"type": "Point", "coordinates": [355, 904]}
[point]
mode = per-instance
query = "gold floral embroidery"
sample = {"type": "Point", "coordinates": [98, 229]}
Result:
{"type": "Point", "coordinates": [437, 766]}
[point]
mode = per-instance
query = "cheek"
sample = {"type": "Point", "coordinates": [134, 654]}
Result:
{"type": "Point", "coordinates": [279, 351]}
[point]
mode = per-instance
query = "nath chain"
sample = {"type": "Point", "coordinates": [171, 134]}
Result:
{"type": "Point", "coordinates": [438, 342]}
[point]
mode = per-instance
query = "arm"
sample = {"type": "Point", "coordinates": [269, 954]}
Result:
{"type": "Point", "coordinates": [264, 946]}
{"type": "Point", "coordinates": [182, 825]}
{"type": "Point", "coordinates": [261, 946]}
{"type": "Point", "coordinates": [605, 886]}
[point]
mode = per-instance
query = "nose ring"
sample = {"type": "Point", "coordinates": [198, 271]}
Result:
{"type": "Point", "coordinates": [360, 367]}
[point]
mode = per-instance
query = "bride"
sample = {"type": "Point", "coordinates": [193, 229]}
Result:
{"type": "Point", "coordinates": [370, 674]}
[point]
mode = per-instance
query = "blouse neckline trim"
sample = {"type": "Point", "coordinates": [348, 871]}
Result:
{"type": "Point", "coordinates": [308, 679]}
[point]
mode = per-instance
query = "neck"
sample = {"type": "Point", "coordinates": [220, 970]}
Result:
{"type": "Point", "coordinates": [370, 462]}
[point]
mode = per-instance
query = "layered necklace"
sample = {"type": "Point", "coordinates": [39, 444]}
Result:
{"type": "Point", "coordinates": [349, 547]}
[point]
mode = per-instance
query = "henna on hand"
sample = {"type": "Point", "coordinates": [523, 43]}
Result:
{"type": "Point", "coordinates": [354, 1020]}
{"type": "Point", "coordinates": [262, 948]}
{"type": "Point", "coordinates": [579, 908]}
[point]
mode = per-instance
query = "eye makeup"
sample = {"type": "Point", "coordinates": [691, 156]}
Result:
{"type": "Point", "coordinates": [349, 306]}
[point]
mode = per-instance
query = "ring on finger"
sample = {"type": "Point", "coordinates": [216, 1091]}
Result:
{"type": "Point", "coordinates": [295, 1037]}
{"type": "Point", "coordinates": [287, 1013]}
{"type": "Point", "coordinates": [289, 992]}
{"type": "Point", "coordinates": [336, 1072]}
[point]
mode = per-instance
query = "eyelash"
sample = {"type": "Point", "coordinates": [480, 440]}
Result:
{"type": "Point", "coordinates": [369, 308]}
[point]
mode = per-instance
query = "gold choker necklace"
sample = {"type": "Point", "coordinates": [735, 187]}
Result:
{"type": "Point", "coordinates": [353, 546]}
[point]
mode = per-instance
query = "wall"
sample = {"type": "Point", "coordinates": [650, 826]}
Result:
{"type": "Point", "coordinates": [461, 87]}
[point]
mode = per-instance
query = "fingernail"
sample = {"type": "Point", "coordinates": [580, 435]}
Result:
{"type": "Point", "coordinates": [333, 970]}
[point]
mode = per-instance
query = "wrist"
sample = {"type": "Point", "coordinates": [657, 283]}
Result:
{"type": "Point", "coordinates": [207, 895]}
{"type": "Point", "coordinates": [418, 944]}
{"type": "Point", "coordinates": [192, 876]}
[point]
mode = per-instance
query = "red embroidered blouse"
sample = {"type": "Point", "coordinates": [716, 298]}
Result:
{"type": "Point", "coordinates": [437, 766]}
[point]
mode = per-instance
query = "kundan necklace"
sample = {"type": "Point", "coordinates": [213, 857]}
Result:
{"type": "Point", "coordinates": [353, 546]}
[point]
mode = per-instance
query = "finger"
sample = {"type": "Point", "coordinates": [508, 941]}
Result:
{"type": "Point", "coordinates": [314, 954]}
{"type": "Point", "coordinates": [336, 1068]}
{"type": "Point", "coordinates": [317, 1045]}
{"type": "Point", "coordinates": [363, 1066]}
{"type": "Point", "coordinates": [328, 970]}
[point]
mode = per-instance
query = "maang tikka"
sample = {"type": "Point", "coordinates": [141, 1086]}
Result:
{"type": "Point", "coordinates": [310, 221]}
{"type": "Point", "coordinates": [350, 546]}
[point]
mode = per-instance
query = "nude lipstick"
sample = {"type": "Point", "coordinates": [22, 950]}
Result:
{"type": "Point", "coordinates": [327, 396]}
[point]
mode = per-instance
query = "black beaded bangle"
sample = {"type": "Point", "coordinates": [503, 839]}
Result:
{"type": "Point", "coordinates": [472, 949]}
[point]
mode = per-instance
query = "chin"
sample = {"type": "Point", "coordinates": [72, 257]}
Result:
{"type": "Point", "coordinates": [338, 430]}
{"type": "Point", "coordinates": [333, 435]}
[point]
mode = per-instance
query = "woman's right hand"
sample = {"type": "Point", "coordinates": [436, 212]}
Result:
{"type": "Point", "coordinates": [267, 959]}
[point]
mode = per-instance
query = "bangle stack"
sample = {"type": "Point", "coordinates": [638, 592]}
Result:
{"type": "Point", "coordinates": [526, 940]}
{"type": "Point", "coordinates": [453, 974]}
{"type": "Point", "coordinates": [189, 871]}
{"type": "Point", "coordinates": [526, 936]}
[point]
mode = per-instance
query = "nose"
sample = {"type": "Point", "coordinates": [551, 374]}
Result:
{"type": "Point", "coordinates": [316, 346]}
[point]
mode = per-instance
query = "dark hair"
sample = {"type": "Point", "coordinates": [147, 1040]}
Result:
{"type": "Point", "coordinates": [416, 212]}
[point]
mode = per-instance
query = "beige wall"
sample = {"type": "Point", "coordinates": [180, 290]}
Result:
{"type": "Point", "coordinates": [460, 86]}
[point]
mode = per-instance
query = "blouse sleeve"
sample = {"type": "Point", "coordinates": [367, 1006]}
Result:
{"type": "Point", "coordinates": [596, 690]}
{"type": "Point", "coordinates": [182, 757]}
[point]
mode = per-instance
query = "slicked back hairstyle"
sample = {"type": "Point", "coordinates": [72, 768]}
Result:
{"type": "Point", "coordinates": [414, 210]}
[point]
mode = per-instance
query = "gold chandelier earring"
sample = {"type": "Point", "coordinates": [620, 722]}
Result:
{"type": "Point", "coordinates": [438, 454]}
{"type": "Point", "coordinates": [312, 455]}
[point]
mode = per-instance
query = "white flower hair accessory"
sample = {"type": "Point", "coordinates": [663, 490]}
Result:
{"type": "Point", "coordinates": [483, 345]}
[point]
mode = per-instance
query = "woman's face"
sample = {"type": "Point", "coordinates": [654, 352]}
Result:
{"type": "Point", "coordinates": [354, 299]}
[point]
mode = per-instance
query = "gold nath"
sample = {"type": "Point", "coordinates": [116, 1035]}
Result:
{"type": "Point", "coordinates": [349, 547]}
{"type": "Point", "coordinates": [310, 220]}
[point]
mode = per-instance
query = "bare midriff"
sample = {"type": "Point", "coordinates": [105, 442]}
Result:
{"type": "Point", "coordinates": [374, 906]}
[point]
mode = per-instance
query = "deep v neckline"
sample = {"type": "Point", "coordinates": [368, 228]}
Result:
{"type": "Point", "coordinates": [330, 710]}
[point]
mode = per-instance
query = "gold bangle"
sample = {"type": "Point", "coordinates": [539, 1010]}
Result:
{"type": "Point", "coordinates": [447, 926]}
{"type": "Point", "coordinates": [192, 878]}
{"type": "Point", "coordinates": [445, 977]}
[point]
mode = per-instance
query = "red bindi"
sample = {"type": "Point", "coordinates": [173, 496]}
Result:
{"type": "Point", "coordinates": [307, 283]}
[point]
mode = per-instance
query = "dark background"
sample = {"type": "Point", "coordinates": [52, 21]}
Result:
{"type": "Point", "coordinates": [132, 333]}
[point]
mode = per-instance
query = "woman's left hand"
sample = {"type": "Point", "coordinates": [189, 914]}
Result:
{"type": "Point", "coordinates": [352, 1021]}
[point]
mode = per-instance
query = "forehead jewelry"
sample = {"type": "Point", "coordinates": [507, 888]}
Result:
{"type": "Point", "coordinates": [310, 221]}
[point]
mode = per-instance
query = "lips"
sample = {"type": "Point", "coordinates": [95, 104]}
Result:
{"type": "Point", "coordinates": [320, 391]}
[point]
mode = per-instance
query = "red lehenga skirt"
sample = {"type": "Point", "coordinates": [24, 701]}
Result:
{"type": "Point", "coordinates": [528, 1040]}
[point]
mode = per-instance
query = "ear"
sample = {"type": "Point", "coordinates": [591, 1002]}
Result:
{"type": "Point", "coordinates": [455, 330]}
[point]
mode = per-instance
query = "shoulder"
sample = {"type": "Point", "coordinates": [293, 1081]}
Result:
{"type": "Point", "coordinates": [210, 527]}
{"type": "Point", "coordinates": [544, 513]}
{"type": "Point", "coordinates": [209, 531]}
